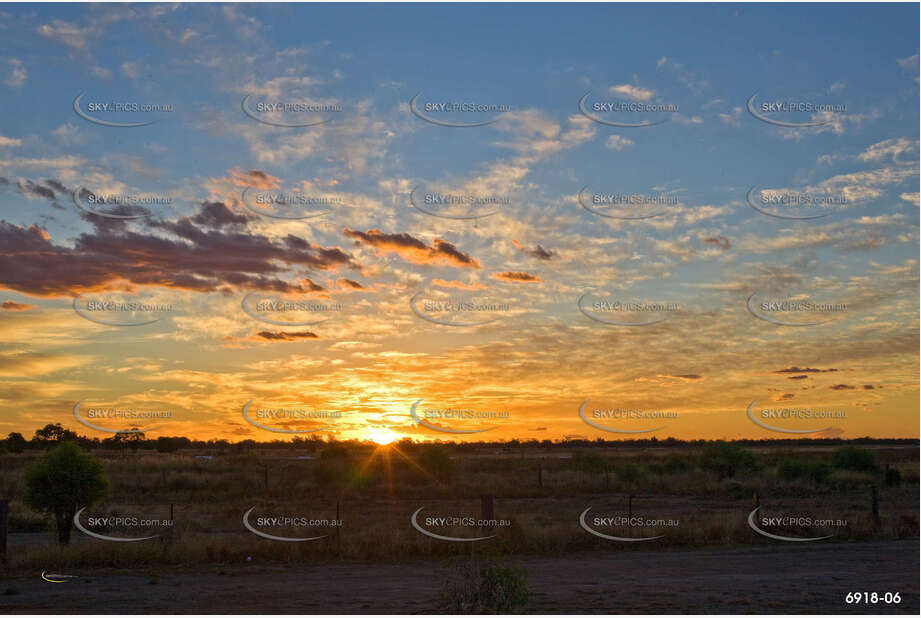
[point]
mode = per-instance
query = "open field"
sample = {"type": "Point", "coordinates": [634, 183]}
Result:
{"type": "Point", "coordinates": [551, 512]}
{"type": "Point", "coordinates": [689, 496]}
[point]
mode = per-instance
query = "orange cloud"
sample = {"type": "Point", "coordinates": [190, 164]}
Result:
{"type": "Point", "coordinates": [517, 277]}
{"type": "Point", "coordinates": [253, 178]}
{"type": "Point", "coordinates": [457, 284]}
{"type": "Point", "coordinates": [411, 248]}
{"type": "Point", "coordinates": [11, 305]}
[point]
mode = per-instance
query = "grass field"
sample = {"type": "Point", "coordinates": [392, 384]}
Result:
{"type": "Point", "coordinates": [693, 496]}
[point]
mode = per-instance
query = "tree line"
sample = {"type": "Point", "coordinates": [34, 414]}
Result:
{"type": "Point", "coordinates": [54, 433]}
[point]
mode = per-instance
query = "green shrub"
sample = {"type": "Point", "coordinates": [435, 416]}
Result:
{"type": "Point", "coordinates": [893, 477]}
{"type": "Point", "coordinates": [66, 479]}
{"type": "Point", "coordinates": [484, 587]}
{"type": "Point", "coordinates": [629, 472]}
{"type": "Point", "coordinates": [589, 462]}
{"type": "Point", "coordinates": [854, 458]}
{"type": "Point", "coordinates": [673, 464]}
{"type": "Point", "coordinates": [725, 459]}
{"type": "Point", "coordinates": [796, 469]}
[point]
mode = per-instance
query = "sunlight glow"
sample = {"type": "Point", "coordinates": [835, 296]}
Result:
{"type": "Point", "coordinates": [381, 435]}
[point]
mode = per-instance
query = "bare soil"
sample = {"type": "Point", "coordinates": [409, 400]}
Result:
{"type": "Point", "coordinates": [786, 578]}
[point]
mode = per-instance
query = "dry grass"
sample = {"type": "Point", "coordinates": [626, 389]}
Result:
{"type": "Point", "coordinates": [381, 489]}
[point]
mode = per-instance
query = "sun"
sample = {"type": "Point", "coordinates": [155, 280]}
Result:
{"type": "Point", "coordinates": [381, 435]}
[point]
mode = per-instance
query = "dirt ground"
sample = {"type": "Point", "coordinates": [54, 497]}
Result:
{"type": "Point", "coordinates": [777, 579]}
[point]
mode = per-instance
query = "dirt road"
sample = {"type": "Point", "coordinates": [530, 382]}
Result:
{"type": "Point", "coordinates": [776, 579]}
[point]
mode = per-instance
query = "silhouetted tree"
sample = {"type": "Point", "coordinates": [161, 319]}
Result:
{"type": "Point", "coordinates": [52, 434]}
{"type": "Point", "coordinates": [15, 443]}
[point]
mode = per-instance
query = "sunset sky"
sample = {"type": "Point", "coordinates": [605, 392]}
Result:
{"type": "Point", "coordinates": [376, 247]}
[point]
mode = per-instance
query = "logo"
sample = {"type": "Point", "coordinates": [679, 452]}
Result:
{"type": "Point", "coordinates": [117, 520]}
{"type": "Point", "coordinates": [456, 206]}
{"type": "Point", "coordinates": [777, 537]}
{"type": "Point", "coordinates": [288, 108]}
{"type": "Point", "coordinates": [119, 309]}
{"type": "Point", "coordinates": [57, 578]}
{"type": "Point", "coordinates": [118, 107]}
{"type": "Point", "coordinates": [790, 106]}
{"type": "Point", "coordinates": [790, 413]}
{"type": "Point", "coordinates": [439, 308]}
{"type": "Point", "coordinates": [595, 308]}
{"type": "Point", "coordinates": [624, 539]}
{"type": "Point", "coordinates": [273, 204]}
{"type": "Point", "coordinates": [455, 108]}
{"type": "Point", "coordinates": [279, 521]}
{"type": "Point", "coordinates": [286, 414]}
{"type": "Point", "coordinates": [634, 201]}
{"type": "Point", "coordinates": [819, 204]}
{"type": "Point", "coordinates": [128, 415]}
{"type": "Point", "coordinates": [260, 308]}
{"type": "Point", "coordinates": [791, 307]}
{"type": "Point", "coordinates": [91, 203]}
{"type": "Point", "coordinates": [457, 521]}
{"type": "Point", "coordinates": [624, 107]}
{"type": "Point", "coordinates": [454, 414]}
{"type": "Point", "coordinates": [620, 413]}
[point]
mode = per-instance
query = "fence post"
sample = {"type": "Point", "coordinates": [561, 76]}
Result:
{"type": "Point", "coordinates": [540, 474]}
{"type": "Point", "coordinates": [4, 516]}
{"type": "Point", "coordinates": [875, 504]}
{"type": "Point", "coordinates": [487, 511]}
{"type": "Point", "coordinates": [338, 532]}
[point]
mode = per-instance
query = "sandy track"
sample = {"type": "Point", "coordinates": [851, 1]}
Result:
{"type": "Point", "coordinates": [776, 579]}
